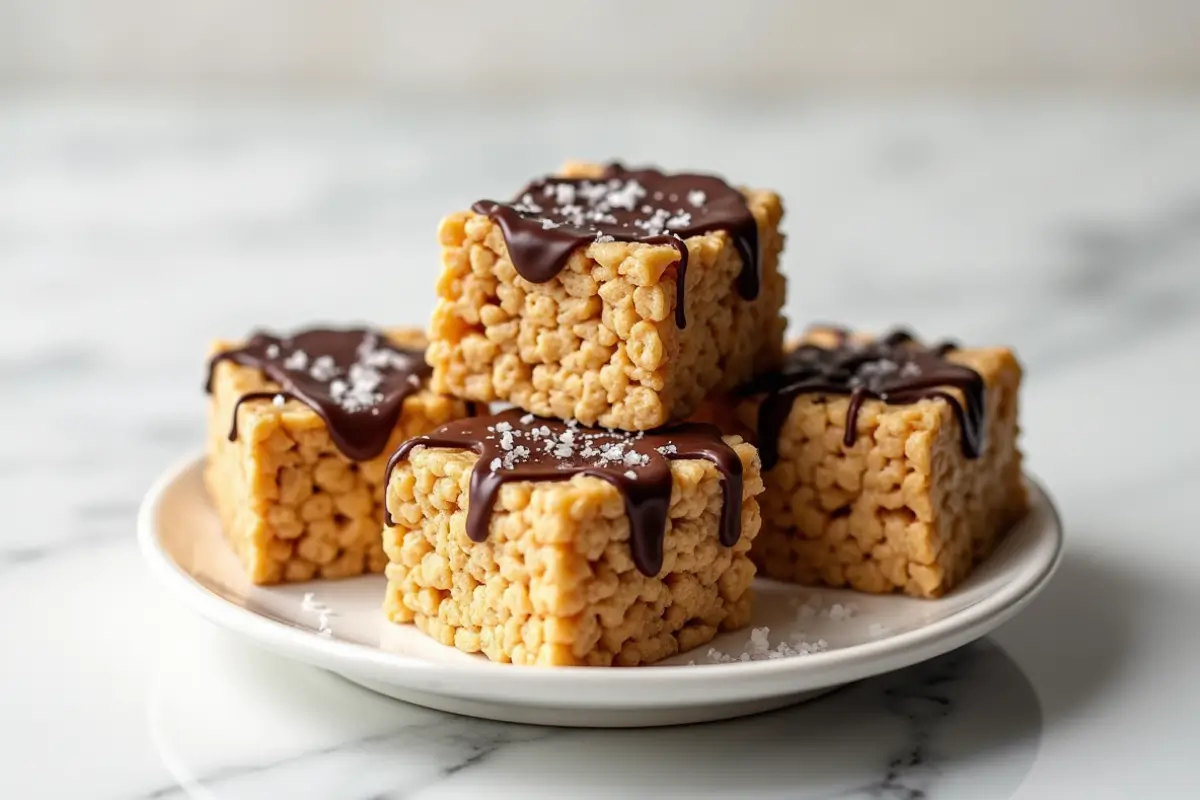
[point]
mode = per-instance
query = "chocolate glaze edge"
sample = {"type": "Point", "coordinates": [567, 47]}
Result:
{"type": "Point", "coordinates": [361, 430]}
{"type": "Point", "coordinates": [540, 242]}
{"type": "Point", "coordinates": [646, 494]}
{"type": "Point", "coordinates": [895, 369]}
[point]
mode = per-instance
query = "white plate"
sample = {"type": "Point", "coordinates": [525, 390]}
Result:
{"type": "Point", "coordinates": [181, 541]}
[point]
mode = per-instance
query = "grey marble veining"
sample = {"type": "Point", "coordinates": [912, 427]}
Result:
{"type": "Point", "coordinates": [130, 236]}
{"type": "Point", "coordinates": [900, 735]}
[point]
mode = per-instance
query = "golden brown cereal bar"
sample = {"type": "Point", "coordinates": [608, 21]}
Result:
{"type": "Point", "coordinates": [600, 341]}
{"type": "Point", "coordinates": [554, 581]}
{"type": "Point", "coordinates": [292, 505]}
{"type": "Point", "coordinates": [904, 508]}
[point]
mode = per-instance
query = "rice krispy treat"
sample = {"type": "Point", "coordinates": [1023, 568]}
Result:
{"type": "Point", "coordinates": [297, 475]}
{"type": "Point", "coordinates": [616, 297]}
{"type": "Point", "coordinates": [533, 542]}
{"type": "Point", "coordinates": [914, 491]}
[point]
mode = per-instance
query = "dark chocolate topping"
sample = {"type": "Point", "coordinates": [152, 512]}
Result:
{"type": "Point", "coordinates": [356, 380]}
{"type": "Point", "coordinates": [896, 369]}
{"type": "Point", "coordinates": [553, 216]}
{"type": "Point", "coordinates": [514, 446]}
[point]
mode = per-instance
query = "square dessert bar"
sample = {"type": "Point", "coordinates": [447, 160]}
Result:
{"type": "Point", "coordinates": [299, 432]}
{"type": "Point", "coordinates": [615, 297]}
{"type": "Point", "coordinates": [918, 492]}
{"type": "Point", "coordinates": [535, 542]}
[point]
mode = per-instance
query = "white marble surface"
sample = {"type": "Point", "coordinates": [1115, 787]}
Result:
{"type": "Point", "coordinates": [129, 236]}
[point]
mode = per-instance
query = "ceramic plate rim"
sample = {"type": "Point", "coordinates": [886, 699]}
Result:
{"type": "Point", "coordinates": [823, 669]}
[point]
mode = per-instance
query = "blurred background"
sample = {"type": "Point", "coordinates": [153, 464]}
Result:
{"type": "Point", "coordinates": [527, 48]}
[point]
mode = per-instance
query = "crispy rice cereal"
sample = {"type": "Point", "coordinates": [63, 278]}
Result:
{"type": "Point", "coordinates": [555, 582]}
{"type": "Point", "coordinates": [903, 509]}
{"type": "Point", "coordinates": [599, 342]}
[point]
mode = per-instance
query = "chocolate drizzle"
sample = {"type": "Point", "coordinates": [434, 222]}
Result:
{"type": "Point", "coordinates": [553, 216]}
{"type": "Point", "coordinates": [895, 369]}
{"type": "Point", "coordinates": [356, 380]}
{"type": "Point", "coordinates": [513, 446]}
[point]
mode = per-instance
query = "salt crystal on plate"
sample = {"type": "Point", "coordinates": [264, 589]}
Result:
{"type": "Point", "coordinates": [838, 612]}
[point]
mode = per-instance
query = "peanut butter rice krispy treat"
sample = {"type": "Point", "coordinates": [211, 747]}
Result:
{"type": "Point", "coordinates": [535, 541]}
{"type": "Point", "coordinates": [616, 297]}
{"type": "Point", "coordinates": [889, 466]}
{"type": "Point", "coordinates": [300, 429]}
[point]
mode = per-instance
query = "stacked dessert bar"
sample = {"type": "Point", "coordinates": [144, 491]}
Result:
{"type": "Point", "coordinates": [658, 443]}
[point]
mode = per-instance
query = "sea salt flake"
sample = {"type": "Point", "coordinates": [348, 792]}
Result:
{"type": "Point", "coordinates": [272, 351]}
{"type": "Point", "coordinates": [279, 400]}
{"type": "Point", "coordinates": [631, 475]}
{"type": "Point", "coordinates": [564, 194]}
{"type": "Point", "coordinates": [310, 603]}
{"type": "Point", "coordinates": [527, 205]}
{"type": "Point", "coordinates": [323, 368]}
{"type": "Point", "coordinates": [875, 369]}
{"type": "Point", "coordinates": [626, 196]}
{"type": "Point", "coordinates": [681, 220]}
{"type": "Point", "coordinates": [527, 419]}
{"type": "Point", "coordinates": [612, 452]}
{"type": "Point", "coordinates": [697, 197]}
{"type": "Point", "coordinates": [296, 361]}
{"type": "Point", "coordinates": [838, 612]}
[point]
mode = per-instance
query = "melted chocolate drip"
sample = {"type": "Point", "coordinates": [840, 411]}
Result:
{"type": "Point", "coordinates": [895, 369]}
{"type": "Point", "coordinates": [356, 380]}
{"type": "Point", "coordinates": [514, 446]}
{"type": "Point", "coordinates": [553, 216]}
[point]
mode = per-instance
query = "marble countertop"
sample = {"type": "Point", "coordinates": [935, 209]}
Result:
{"type": "Point", "coordinates": [130, 235]}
